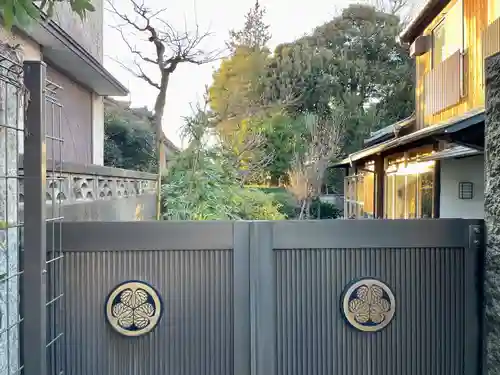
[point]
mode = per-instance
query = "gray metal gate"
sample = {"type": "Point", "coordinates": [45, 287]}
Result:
{"type": "Point", "coordinates": [268, 298]}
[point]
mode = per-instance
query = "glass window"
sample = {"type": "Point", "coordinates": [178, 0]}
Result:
{"type": "Point", "coordinates": [369, 192]}
{"type": "Point", "coordinates": [438, 43]}
{"type": "Point", "coordinates": [389, 197]}
{"type": "Point", "coordinates": [411, 196]}
{"type": "Point", "coordinates": [447, 36]}
{"type": "Point", "coordinates": [493, 10]}
{"type": "Point", "coordinates": [400, 201]}
{"type": "Point", "coordinates": [426, 190]}
{"type": "Point", "coordinates": [359, 193]}
{"type": "Point", "coordinates": [409, 190]}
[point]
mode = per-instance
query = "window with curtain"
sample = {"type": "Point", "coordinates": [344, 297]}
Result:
{"type": "Point", "coordinates": [447, 36]}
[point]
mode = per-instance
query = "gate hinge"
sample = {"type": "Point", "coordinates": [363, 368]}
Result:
{"type": "Point", "coordinates": [475, 236]}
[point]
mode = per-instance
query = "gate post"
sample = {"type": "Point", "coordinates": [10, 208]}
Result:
{"type": "Point", "coordinates": [241, 299]}
{"type": "Point", "coordinates": [262, 299]}
{"type": "Point", "coordinates": [34, 277]}
{"type": "Point", "coordinates": [492, 214]}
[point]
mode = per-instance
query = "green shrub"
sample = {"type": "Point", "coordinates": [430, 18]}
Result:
{"type": "Point", "coordinates": [287, 203]}
{"type": "Point", "coordinates": [201, 186]}
{"type": "Point", "coordinates": [324, 209]}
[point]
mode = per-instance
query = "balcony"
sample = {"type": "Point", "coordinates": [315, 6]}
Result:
{"type": "Point", "coordinates": [491, 39]}
{"type": "Point", "coordinates": [442, 85]}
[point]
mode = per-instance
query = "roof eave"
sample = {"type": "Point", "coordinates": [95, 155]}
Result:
{"type": "Point", "coordinates": [417, 25]}
{"type": "Point", "coordinates": [390, 131]}
{"type": "Point", "coordinates": [446, 127]}
{"type": "Point", "coordinates": [63, 51]}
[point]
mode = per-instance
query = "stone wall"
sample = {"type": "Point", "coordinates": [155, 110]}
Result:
{"type": "Point", "coordinates": [11, 139]}
{"type": "Point", "coordinates": [492, 214]}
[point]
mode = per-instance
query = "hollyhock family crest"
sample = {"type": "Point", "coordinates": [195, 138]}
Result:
{"type": "Point", "coordinates": [134, 308]}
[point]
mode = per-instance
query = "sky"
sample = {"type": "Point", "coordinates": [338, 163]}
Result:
{"type": "Point", "coordinates": [289, 19]}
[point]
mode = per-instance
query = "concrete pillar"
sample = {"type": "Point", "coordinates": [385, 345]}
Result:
{"type": "Point", "coordinates": [492, 214]}
{"type": "Point", "coordinates": [97, 129]}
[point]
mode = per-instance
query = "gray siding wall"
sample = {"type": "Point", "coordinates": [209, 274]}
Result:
{"type": "Point", "coordinates": [76, 117]}
{"type": "Point", "coordinates": [88, 33]}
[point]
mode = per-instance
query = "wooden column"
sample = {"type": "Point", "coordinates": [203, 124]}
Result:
{"type": "Point", "coordinates": [379, 187]}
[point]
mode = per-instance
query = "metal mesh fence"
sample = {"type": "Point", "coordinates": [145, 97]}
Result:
{"type": "Point", "coordinates": [12, 94]}
{"type": "Point", "coordinates": [54, 217]}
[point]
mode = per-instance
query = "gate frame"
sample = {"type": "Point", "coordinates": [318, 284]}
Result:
{"type": "Point", "coordinates": [41, 340]}
{"type": "Point", "coordinates": [34, 286]}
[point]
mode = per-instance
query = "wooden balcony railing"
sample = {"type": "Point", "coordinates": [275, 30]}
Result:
{"type": "Point", "coordinates": [442, 85]}
{"type": "Point", "coordinates": [491, 39]}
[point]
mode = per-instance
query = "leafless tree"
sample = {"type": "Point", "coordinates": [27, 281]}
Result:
{"type": "Point", "coordinates": [401, 8]}
{"type": "Point", "coordinates": [324, 143]}
{"type": "Point", "coordinates": [249, 157]}
{"type": "Point", "coordinates": [171, 47]}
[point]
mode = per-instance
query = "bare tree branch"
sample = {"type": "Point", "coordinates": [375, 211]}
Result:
{"type": "Point", "coordinates": [139, 73]}
{"type": "Point", "coordinates": [133, 49]}
{"type": "Point", "coordinates": [171, 48]}
{"type": "Point", "coordinates": [325, 141]}
{"type": "Point", "coordinates": [401, 8]}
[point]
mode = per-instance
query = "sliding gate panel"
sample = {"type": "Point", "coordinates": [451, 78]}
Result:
{"type": "Point", "coordinates": [432, 269]}
{"type": "Point", "coordinates": [190, 266]}
{"type": "Point", "coordinates": [363, 297]}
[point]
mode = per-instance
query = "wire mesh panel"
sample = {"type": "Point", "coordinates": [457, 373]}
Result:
{"type": "Point", "coordinates": [54, 258]}
{"type": "Point", "coordinates": [11, 146]}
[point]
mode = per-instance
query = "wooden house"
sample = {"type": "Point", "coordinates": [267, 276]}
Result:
{"type": "Point", "coordinates": [431, 165]}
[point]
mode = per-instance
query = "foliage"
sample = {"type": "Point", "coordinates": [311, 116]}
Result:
{"type": "Point", "coordinates": [290, 208]}
{"type": "Point", "coordinates": [354, 59]}
{"type": "Point", "coordinates": [255, 33]}
{"type": "Point", "coordinates": [324, 210]}
{"type": "Point", "coordinates": [352, 63]}
{"type": "Point", "coordinates": [203, 183]}
{"type": "Point", "coordinates": [22, 11]}
{"type": "Point", "coordinates": [284, 139]}
{"type": "Point", "coordinates": [128, 145]}
{"type": "Point", "coordinates": [235, 100]}
{"type": "Point", "coordinates": [287, 203]}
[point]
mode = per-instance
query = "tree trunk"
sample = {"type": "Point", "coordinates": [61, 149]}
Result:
{"type": "Point", "coordinates": [302, 209]}
{"type": "Point", "coordinates": [158, 119]}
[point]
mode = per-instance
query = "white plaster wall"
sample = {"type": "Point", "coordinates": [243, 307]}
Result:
{"type": "Point", "coordinates": [97, 130]}
{"type": "Point", "coordinates": [454, 171]}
